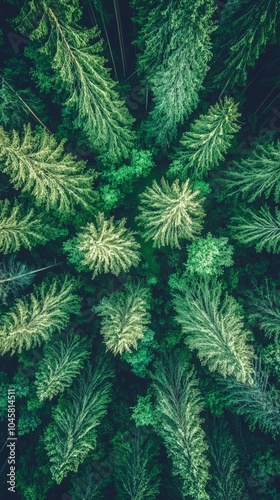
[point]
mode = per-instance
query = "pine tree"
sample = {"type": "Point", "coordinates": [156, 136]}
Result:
{"type": "Point", "coordinates": [174, 39]}
{"type": "Point", "coordinates": [36, 317]}
{"type": "Point", "coordinates": [169, 214]}
{"type": "Point", "coordinates": [256, 175]}
{"type": "Point", "coordinates": [207, 256]}
{"type": "Point", "coordinates": [259, 229]}
{"type": "Point", "coordinates": [253, 26]}
{"type": "Point", "coordinates": [135, 467]}
{"type": "Point", "coordinates": [61, 363]}
{"type": "Point", "coordinates": [79, 72]}
{"type": "Point", "coordinates": [259, 402]}
{"type": "Point", "coordinates": [72, 434]}
{"type": "Point", "coordinates": [226, 481]}
{"type": "Point", "coordinates": [38, 165]}
{"type": "Point", "coordinates": [18, 229]}
{"type": "Point", "coordinates": [178, 407]}
{"type": "Point", "coordinates": [107, 246]}
{"type": "Point", "coordinates": [264, 308]}
{"type": "Point", "coordinates": [214, 327]}
{"type": "Point", "coordinates": [209, 138]}
{"type": "Point", "coordinates": [124, 318]}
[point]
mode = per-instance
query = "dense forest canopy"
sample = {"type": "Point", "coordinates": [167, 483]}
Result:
{"type": "Point", "coordinates": [139, 244]}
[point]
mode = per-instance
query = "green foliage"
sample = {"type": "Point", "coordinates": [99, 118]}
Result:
{"type": "Point", "coordinates": [18, 229]}
{"type": "Point", "coordinates": [144, 411]}
{"type": "Point", "coordinates": [124, 318]}
{"type": "Point", "coordinates": [135, 467]}
{"type": "Point", "coordinates": [27, 422]}
{"type": "Point", "coordinates": [62, 362]}
{"type": "Point", "coordinates": [259, 229]}
{"type": "Point", "coordinates": [107, 246]}
{"type": "Point", "coordinates": [264, 308]}
{"type": "Point", "coordinates": [178, 407]}
{"type": "Point", "coordinates": [214, 327]}
{"type": "Point", "coordinates": [79, 72]}
{"type": "Point", "coordinates": [253, 25]}
{"type": "Point", "coordinates": [71, 435]}
{"type": "Point", "coordinates": [259, 402]}
{"type": "Point", "coordinates": [175, 44]}
{"type": "Point", "coordinates": [36, 317]}
{"type": "Point", "coordinates": [258, 174]}
{"type": "Point", "coordinates": [15, 105]}
{"type": "Point", "coordinates": [170, 213]}
{"type": "Point", "coordinates": [38, 165]}
{"type": "Point", "coordinates": [225, 482]}
{"type": "Point", "coordinates": [14, 277]}
{"type": "Point", "coordinates": [140, 359]}
{"type": "Point", "coordinates": [264, 468]}
{"type": "Point", "coordinates": [207, 256]}
{"type": "Point", "coordinates": [209, 138]}
{"type": "Point", "coordinates": [89, 482]}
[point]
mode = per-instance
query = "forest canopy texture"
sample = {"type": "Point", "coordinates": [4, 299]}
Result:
{"type": "Point", "coordinates": [139, 249]}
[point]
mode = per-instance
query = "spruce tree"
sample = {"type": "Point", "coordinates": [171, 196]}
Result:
{"type": "Point", "coordinates": [18, 229]}
{"type": "Point", "coordinates": [169, 214]}
{"type": "Point", "coordinates": [214, 327]}
{"type": "Point", "coordinates": [226, 481]}
{"type": "Point", "coordinates": [175, 48]}
{"type": "Point", "coordinates": [258, 228]}
{"type": "Point", "coordinates": [253, 26]}
{"type": "Point", "coordinates": [61, 363]}
{"type": "Point", "coordinates": [107, 246]}
{"type": "Point", "coordinates": [124, 318]}
{"type": "Point", "coordinates": [259, 402]}
{"type": "Point", "coordinates": [205, 144]}
{"type": "Point", "coordinates": [72, 433]}
{"type": "Point", "coordinates": [178, 407]}
{"type": "Point", "coordinates": [264, 308]}
{"type": "Point", "coordinates": [79, 72]}
{"type": "Point", "coordinates": [38, 165]}
{"type": "Point", "coordinates": [36, 317]}
{"type": "Point", "coordinates": [258, 174]}
{"type": "Point", "coordinates": [135, 467]}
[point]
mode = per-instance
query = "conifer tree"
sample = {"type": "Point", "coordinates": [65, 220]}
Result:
{"type": "Point", "coordinates": [14, 277]}
{"type": "Point", "coordinates": [71, 435]}
{"type": "Point", "coordinates": [214, 327]}
{"type": "Point", "coordinates": [36, 317]}
{"type": "Point", "coordinates": [260, 229]}
{"type": "Point", "coordinates": [18, 229]}
{"type": "Point", "coordinates": [226, 481]}
{"type": "Point", "coordinates": [258, 174]}
{"type": "Point", "coordinates": [264, 308]}
{"type": "Point", "coordinates": [38, 165]}
{"type": "Point", "coordinates": [169, 214]}
{"type": "Point", "coordinates": [135, 467]}
{"type": "Point", "coordinates": [259, 402]}
{"type": "Point", "coordinates": [253, 26]}
{"type": "Point", "coordinates": [178, 407]}
{"type": "Point", "coordinates": [174, 39]}
{"type": "Point", "coordinates": [209, 138]}
{"type": "Point", "coordinates": [79, 72]}
{"type": "Point", "coordinates": [124, 318]}
{"type": "Point", "coordinates": [61, 363]}
{"type": "Point", "coordinates": [107, 246]}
